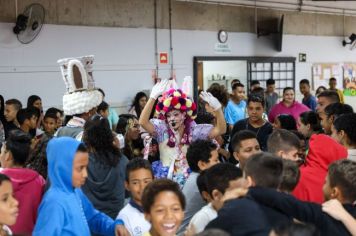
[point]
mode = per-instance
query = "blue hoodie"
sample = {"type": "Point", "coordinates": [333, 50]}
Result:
{"type": "Point", "coordinates": [65, 210]}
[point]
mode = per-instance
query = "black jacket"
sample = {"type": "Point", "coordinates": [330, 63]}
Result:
{"type": "Point", "coordinates": [303, 211]}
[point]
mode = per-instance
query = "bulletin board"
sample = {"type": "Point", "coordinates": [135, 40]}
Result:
{"type": "Point", "coordinates": [349, 80]}
{"type": "Point", "coordinates": [322, 72]}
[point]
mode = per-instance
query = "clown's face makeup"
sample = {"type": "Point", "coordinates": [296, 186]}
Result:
{"type": "Point", "coordinates": [175, 119]}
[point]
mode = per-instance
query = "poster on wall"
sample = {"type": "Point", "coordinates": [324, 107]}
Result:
{"type": "Point", "coordinates": [322, 72]}
{"type": "Point", "coordinates": [349, 80]}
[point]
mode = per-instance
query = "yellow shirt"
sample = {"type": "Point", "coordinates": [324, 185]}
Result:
{"type": "Point", "coordinates": [341, 95]}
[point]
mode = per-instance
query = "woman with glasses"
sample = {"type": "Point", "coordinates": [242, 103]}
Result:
{"type": "Point", "coordinates": [287, 106]}
{"type": "Point", "coordinates": [106, 170]}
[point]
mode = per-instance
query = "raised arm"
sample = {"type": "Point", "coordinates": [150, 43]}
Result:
{"type": "Point", "coordinates": [157, 90]}
{"type": "Point", "coordinates": [220, 127]}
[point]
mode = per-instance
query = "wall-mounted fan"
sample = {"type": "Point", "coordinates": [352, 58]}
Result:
{"type": "Point", "coordinates": [29, 23]}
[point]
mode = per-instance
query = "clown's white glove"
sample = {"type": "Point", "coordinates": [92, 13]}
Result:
{"type": "Point", "coordinates": [211, 100]}
{"type": "Point", "coordinates": [160, 88]}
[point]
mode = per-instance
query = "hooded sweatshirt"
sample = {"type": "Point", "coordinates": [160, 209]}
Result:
{"type": "Point", "coordinates": [25, 182]}
{"type": "Point", "coordinates": [323, 150]}
{"type": "Point", "coordinates": [65, 210]}
{"type": "Point", "coordinates": [105, 184]}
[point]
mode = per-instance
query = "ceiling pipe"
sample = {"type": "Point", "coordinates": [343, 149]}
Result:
{"type": "Point", "coordinates": [306, 7]}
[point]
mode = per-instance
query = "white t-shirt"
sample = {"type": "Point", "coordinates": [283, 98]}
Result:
{"type": "Point", "coordinates": [134, 220]}
{"type": "Point", "coordinates": [202, 218]}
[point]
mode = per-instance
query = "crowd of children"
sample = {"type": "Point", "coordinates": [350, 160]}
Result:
{"type": "Point", "coordinates": [248, 165]}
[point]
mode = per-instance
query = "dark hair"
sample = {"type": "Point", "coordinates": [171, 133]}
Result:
{"type": "Point", "coordinates": [153, 189]}
{"type": "Point", "coordinates": [213, 232]}
{"type": "Point", "coordinates": [2, 106]}
{"type": "Point", "coordinates": [32, 99]}
{"type": "Point", "coordinates": [101, 91]}
{"type": "Point", "coordinates": [287, 88]}
{"type": "Point", "coordinates": [235, 85]}
{"type": "Point", "coordinates": [317, 91]}
{"type": "Point", "coordinates": [234, 81]}
{"type": "Point", "coordinates": [38, 157]}
{"type": "Point", "coordinates": [220, 93]}
{"type": "Point", "coordinates": [241, 136]}
{"type": "Point", "coordinates": [123, 122]}
{"type": "Point", "coordinates": [202, 182]}
{"type": "Point", "coordinates": [337, 109]}
{"type": "Point", "coordinates": [259, 91]}
{"type": "Point", "coordinates": [296, 229]}
{"type": "Point", "coordinates": [265, 169]}
{"type": "Point", "coordinates": [219, 176]}
{"type": "Point", "coordinates": [287, 121]}
{"type": "Point", "coordinates": [50, 115]}
{"type": "Point", "coordinates": [136, 102]}
{"type": "Point", "coordinates": [82, 148]}
{"type": "Point", "coordinates": [330, 95]}
{"type": "Point", "coordinates": [290, 176]}
{"type": "Point", "coordinates": [254, 82]}
{"type": "Point", "coordinates": [256, 98]}
{"type": "Point", "coordinates": [282, 139]}
{"type": "Point", "coordinates": [311, 118]}
{"type": "Point", "coordinates": [270, 82]}
{"type": "Point", "coordinates": [54, 111]}
{"type": "Point", "coordinates": [136, 164]}
{"type": "Point", "coordinates": [332, 79]}
{"type": "Point", "coordinates": [347, 123]}
{"type": "Point", "coordinates": [18, 143]}
{"type": "Point", "coordinates": [4, 178]}
{"type": "Point", "coordinates": [305, 81]}
{"type": "Point", "coordinates": [103, 106]}
{"type": "Point", "coordinates": [16, 103]}
{"type": "Point", "coordinates": [26, 114]}
{"type": "Point", "coordinates": [199, 150]}
{"type": "Point", "coordinates": [342, 174]}
{"type": "Point", "coordinates": [98, 137]}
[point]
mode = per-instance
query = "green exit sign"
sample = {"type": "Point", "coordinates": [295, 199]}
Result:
{"type": "Point", "coordinates": [302, 57]}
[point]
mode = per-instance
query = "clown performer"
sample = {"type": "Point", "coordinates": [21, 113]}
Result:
{"type": "Point", "coordinates": [175, 128]}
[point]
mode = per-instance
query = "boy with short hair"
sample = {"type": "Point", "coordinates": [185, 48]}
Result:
{"type": "Point", "coordinates": [325, 98]}
{"type": "Point", "coordinates": [138, 175]}
{"type": "Point", "coordinates": [12, 106]}
{"type": "Point", "coordinates": [201, 155]}
{"type": "Point", "coordinates": [244, 144]}
{"type": "Point", "coordinates": [103, 109]}
{"type": "Point", "coordinates": [285, 144]}
{"type": "Point", "coordinates": [308, 99]}
{"type": "Point", "coordinates": [50, 123]}
{"type": "Point", "coordinates": [270, 95]}
{"type": "Point", "coordinates": [332, 84]}
{"type": "Point", "coordinates": [254, 84]}
{"type": "Point", "coordinates": [235, 109]}
{"type": "Point", "coordinates": [290, 176]}
{"type": "Point", "coordinates": [27, 119]}
{"type": "Point", "coordinates": [340, 184]}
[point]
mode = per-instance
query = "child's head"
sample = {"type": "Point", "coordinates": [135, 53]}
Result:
{"type": "Point", "coordinates": [254, 84]}
{"type": "Point", "coordinates": [255, 107]}
{"type": "Point", "coordinates": [34, 101]}
{"type": "Point", "coordinates": [331, 112]}
{"type": "Point", "coordinates": [295, 229]}
{"type": "Point", "coordinates": [244, 144]}
{"type": "Point", "coordinates": [290, 176]}
{"type": "Point", "coordinates": [202, 154]}
{"type": "Point", "coordinates": [9, 206]}
{"type": "Point", "coordinates": [285, 121]}
{"type": "Point", "coordinates": [67, 163]}
{"type": "Point", "coordinates": [138, 175]}
{"type": "Point", "coordinates": [59, 114]}
{"type": "Point", "coordinates": [341, 181]}
{"type": "Point", "coordinates": [50, 123]}
{"type": "Point", "coordinates": [238, 91]}
{"type": "Point", "coordinates": [221, 178]}
{"type": "Point", "coordinates": [264, 170]}
{"type": "Point", "coordinates": [288, 95]}
{"type": "Point", "coordinates": [304, 86]}
{"type": "Point", "coordinates": [202, 186]}
{"type": "Point", "coordinates": [270, 85]}
{"type": "Point", "coordinates": [332, 83]}
{"type": "Point", "coordinates": [308, 123]}
{"type": "Point", "coordinates": [28, 117]}
{"type": "Point", "coordinates": [163, 205]}
{"type": "Point", "coordinates": [15, 151]}
{"type": "Point", "coordinates": [12, 106]}
{"type": "Point", "coordinates": [325, 98]}
{"type": "Point", "coordinates": [344, 130]}
{"type": "Point", "coordinates": [283, 143]}
{"type": "Point", "coordinates": [103, 109]}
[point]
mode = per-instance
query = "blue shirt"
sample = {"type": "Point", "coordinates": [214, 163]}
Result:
{"type": "Point", "coordinates": [234, 112]}
{"type": "Point", "coordinates": [310, 102]}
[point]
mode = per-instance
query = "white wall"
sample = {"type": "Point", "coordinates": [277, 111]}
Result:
{"type": "Point", "coordinates": [124, 57]}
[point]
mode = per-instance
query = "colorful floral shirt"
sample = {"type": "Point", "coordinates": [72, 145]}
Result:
{"type": "Point", "coordinates": [173, 163]}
